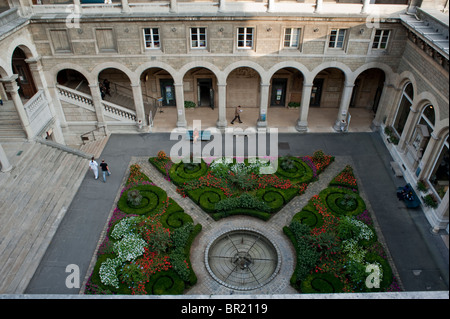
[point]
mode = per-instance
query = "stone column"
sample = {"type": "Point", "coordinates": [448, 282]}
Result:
{"type": "Point", "coordinates": [222, 121]}
{"type": "Point", "coordinates": [4, 162]}
{"type": "Point", "coordinates": [222, 5]}
{"type": "Point", "coordinates": [125, 6]}
{"type": "Point", "coordinates": [408, 129]}
{"type": "Point", "coordinates": [139, 106]}
{"type": "Point", "coordinates": [386, 96]}
{"type": "Point", "coordinates": [302, 123]}
{"type": "Point", "coordinates": [429, 156]}
{"type": "Point", "coordinates": [263, 105]}
{"type": "Point", "coordinates": [38, 75]}
{"type": "Point", "coordinates": [344, 105]}
{"type": "Point", "coordinates": [12, 88]}
{"type": "Point", "coordinates": [181, 114]}
{"type": "Point", "coordinates": [97, 101]}
{"type": "Point", "coordinates": [173, 7]}
{"type": "Point", "coordinates": [58, 107]}
{"type": "Point", "coordinates": [365, 7]}
{"type": "Point", "coordinates": [319, 6]}
{"type": "Point", "coordinates": [270, 5]}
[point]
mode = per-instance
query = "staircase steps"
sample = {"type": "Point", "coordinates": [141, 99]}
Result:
{"type": "Point", "coordinates": [33, 201]}
{"type": "Point", "coordinates": [10, 124]}
{"type": "Point", "coordinates": [95, 147]}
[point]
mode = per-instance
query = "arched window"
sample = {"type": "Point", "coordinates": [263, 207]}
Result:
{"type": "Point", "coordinates": [423, 130]}
{"type": "Point", "coordinates": [439, 176]}
{"type": "Point", "coordinates": [403, 108]}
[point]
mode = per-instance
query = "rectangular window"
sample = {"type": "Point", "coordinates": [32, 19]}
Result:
{"type": "Point", "coordinates": [198, 38]}
{"type": "Point", "coordinates": [337, 37]}
{"type": "Point", "coordinates": [245, 38]}
{"type": "Point", "coordinates": [151, 38]}
{"type": "Point", "coordinates": [381, 39]}
{"type": "Point", "coordinates": [291, 37]}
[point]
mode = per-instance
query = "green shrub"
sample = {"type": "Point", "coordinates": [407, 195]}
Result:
{"type": "Point", "coordinates": [429, 201]}
{"type": "Point", "coordinates": [294, 104]}
{"type": "Point", "coordinates": [189, 104]}
{"type": "Point", "coordinates": [386, 269]}
{"type": "Point", "coordinates": [322, 283]}
{"type": "Point", "coordinates": [165, 283]}
{"type": "Point", "coordinates": [421, 186]}
{"type": "Point", "coordinates": [153, 199]}
{"type": "Point", "coordinates": [244, 201]}
{"type": "Point", "coordinates": [184, 172]}
{"type": "Point", "coordinates": [134, 198]}
{"type": "Point", "coordinates": [309, 216]}
{"type": "Point", "coordinates": [342, 202]}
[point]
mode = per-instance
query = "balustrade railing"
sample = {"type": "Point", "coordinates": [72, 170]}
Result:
{"type": "Point", "coordinates": [75, 97]}
{"type": "Point", "coordinates": [123, 113]}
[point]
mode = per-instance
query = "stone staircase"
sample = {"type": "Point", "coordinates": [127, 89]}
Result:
{"type": "Point", "coordinates": [10, 125]}
{"type": "Point", "coordinates": [34, 197]}
{"type": "Point", "coordinates": [95, 147]}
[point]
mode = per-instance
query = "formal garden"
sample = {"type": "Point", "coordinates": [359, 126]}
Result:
{"type": "Point", "coordinates": [336, 243]}
{"type": "Point", "coordinates": [146, 249]}
{"type": "Point", "coordinates": [147, 244]}
{"type": "Point", "coordinates": [237, 187]}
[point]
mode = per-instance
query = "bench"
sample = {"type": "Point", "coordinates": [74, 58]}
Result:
{"type": "Point", "coordinates": [396, 168]}
{"type": "Point", "coordinates": [410, 203]}
{"type": "Point", "coordinates": [203, 135]}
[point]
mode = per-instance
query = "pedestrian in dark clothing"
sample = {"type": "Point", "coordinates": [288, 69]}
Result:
{"type": "Point", "coordinates": [102, 91]}
{"type": "Point", "coordinates": [237, 115]}
{"type": "Point", "coordinates": [105, 170]}
{"type": "Point", "coordinates": [107, 86]}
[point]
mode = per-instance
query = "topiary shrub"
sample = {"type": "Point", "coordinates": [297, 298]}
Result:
{"type": "Point", "coordinates": [342, 201]}
{"type": "Point", "coordinates": [324, 283]}
{"type": "Point", "coordinates": [153, 199]}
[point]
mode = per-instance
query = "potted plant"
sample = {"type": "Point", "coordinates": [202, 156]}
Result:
{"type": "Point", "coordinates": [429, 201]}
{"type": "Point", "coordinates": [189, 104]}
{"type": "Point", "coordinates": [294, 104]}
{"type": "Point", "coordinates": [421, 186]}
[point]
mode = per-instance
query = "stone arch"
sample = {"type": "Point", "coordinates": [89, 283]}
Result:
{"type": "Point", "coordinates": [422, 100]}
{"type": "Point", "coordinates": [246, 64]}
{"type": "Point", "coordinates": [63, 66]}
{"type": "Point", "coordinates": [332, 64]}
{"type": "Point", "coordinates": [150, 65]}
{"type": "Point", "coordinates": [289, 64]}
{"type": "Point", "coordinates": [114, 65]}
{"type": "Point", "coordinates": [201, 64]}
{"type": "Point", "coordinates": [5, 70]}
{"type": "Point", "coordinates": [404, 78]}
{"type": "Point", "coordinates": [25, 45]}
{"type": "Point", "coordinates": [388, 73]}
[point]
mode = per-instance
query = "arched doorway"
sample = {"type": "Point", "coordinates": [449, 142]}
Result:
{"type": "Point", "coordinates": [115, 87]}
{"type": "Point", "coordinates": [243, 88]}
{"type": "Point", "coordinates": [285, 95]}
{"type": "Point", "coordinates": [200, 95]}
{"type": "Point", "coordinates": [326, 94]}
{"type": "Point", "coordinates": [27, 87]}
{"type": "Point", "coordinates": [73, 80]}
{"type": "Point", "coordinates": [158, 94]}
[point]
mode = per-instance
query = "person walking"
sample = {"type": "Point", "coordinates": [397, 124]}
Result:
{"type": "Point", "coordinates": [93, 165]}
{"type": "Point", "coordinates": [105, 169]}
{"type": "Point", "coordinates": [1, 101]}
{"type": "Point", "coordinates": [107, 86]}
{"type": "Point", "coordinates": [237, 114]}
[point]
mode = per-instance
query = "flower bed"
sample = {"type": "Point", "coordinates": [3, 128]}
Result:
{"type": "Point", "coordinates": [336, 244]}
{"type": "Point", "coordinates": [230, 187]}
{"type": "Point", "coordinates": [147, 244]}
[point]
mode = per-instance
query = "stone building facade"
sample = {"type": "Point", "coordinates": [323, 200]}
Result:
{"type": "Point", "coordinates": [388, 57]}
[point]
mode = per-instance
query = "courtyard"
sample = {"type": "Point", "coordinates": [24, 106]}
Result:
{"type": "Point", "coordinates": [420, 258]}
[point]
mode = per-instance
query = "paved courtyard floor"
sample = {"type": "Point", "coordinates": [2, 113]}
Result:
{"type": "Point", "coordinates": [420, 257]}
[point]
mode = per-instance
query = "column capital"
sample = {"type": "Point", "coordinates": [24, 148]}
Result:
{"type": "Point", "coordinates": [12, 78]}
{"type": "Point", "coordinates": [33, 59]}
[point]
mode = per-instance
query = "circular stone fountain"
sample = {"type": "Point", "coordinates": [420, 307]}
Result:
{"type": "Point", "coordinates": [242, 259]}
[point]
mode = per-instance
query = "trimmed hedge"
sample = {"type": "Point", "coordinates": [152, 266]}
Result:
{"type": "Point", "coordinates": [153, 199]}
{"type": "Point", "coordinates": [165, 283]}
{"type": "Point", "coordinates": [175, 217]}
{"type": "Point", "coordinates": [333, 195]}
{"type": "Point", "coordinates": [180, 173]}
{"type": "Point", "coordinates": [309, 216]}
{"type": "Point", "coordinates": [324, 283]}
{"type": "Point", "coordinates": [300, 173]}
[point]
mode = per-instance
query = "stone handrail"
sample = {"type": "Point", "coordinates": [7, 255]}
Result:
{"type": "Point", "coordinates": [119, 112]}
{"type": "Point", "coordinates": [35, 104]}
{"type": "Point", "coordinates": [75, 97]}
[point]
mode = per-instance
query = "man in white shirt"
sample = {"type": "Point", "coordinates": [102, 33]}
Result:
{"type": "Point", "coordinates": [93, 165]}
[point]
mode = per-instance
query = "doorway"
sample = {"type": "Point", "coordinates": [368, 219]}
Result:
{"type": "Point", "coordinates": [25, 80]}
{"type": "Point", "coordinates": [278, 97]}
{"type": "Point", "coordinates": [205, 94]}
{"type": "Point", "coordinates": [167, 92]}
{"type": "Point", "coordinates": [316, 92]}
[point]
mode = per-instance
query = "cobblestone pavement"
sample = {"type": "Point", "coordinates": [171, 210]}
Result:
{"type": "Point", "coordinates": [272, 229]}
